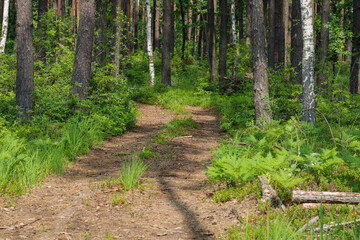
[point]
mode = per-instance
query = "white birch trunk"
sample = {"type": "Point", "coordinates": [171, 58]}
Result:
{"type": "Point", "coordinates": [233, 28]}
{"type": "Point", "coordinates": [308, 114]}
{"type": "Point", "coordinates": [149, 44]}
{"type": "Point", "coordinates": [4, 26]}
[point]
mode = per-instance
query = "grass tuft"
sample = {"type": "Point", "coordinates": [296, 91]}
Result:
{"type": "Point", "coordinates": [131, 173]}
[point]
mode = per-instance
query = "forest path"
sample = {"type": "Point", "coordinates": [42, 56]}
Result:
{"type": "Point", "coordinates": [173, 204]}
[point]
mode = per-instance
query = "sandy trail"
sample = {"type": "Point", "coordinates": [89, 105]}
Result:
{"type": "Point", "coordinates": [173, 203]}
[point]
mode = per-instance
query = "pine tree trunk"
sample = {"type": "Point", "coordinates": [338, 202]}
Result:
{"type": "Point", "coordinates": [117, 31]}
{"type": "Point", "coordinates": [172, 30]}
{"type": "Point", "coordinates": [248, 22]}
{"type": "Point", "coordinates": [166, 61]}
{"type": "Point", "coordinates": [241, 19]}
{"type": "Point", "coordinates": [25, 61]}
{"type": "Point", "coordinates": [261, 86]}
{"type": "Point", "coordinates": [296, 41]}
{"type": "Point", "coordinates": [156, 20]}
{"type": "Point", "coordinates": [84, 44]}
{"type": "Point", "coordinates": [136, 24]}
{"type": "Point", "coordinates": [182, 10]}
{"type": "Point", "coordinates": [149, 43]}
{"type": "Point", "coordinates": [324, 44]}
{"type": "Point", "coordinates": [355, 58]}
{"type": "Point", "coordinates": [233, 27]}
{"type": "Point", "coordinates": [287, 33]}
{"type": "Point", "coordinates": [271, 35]}
{"type": "Point", "coordinates": [100, 26]}
{"type": "Point", "coordinates": [223, 39]}
{"type": "Point", "coordinates": [4, 28]}
{"type": "Point", "coordinates": [42, 9]}
{"type": "Point", "coordinates": [308, 114]}
{"type": "Point", "coordinates": [211, 42]}
{"type": "Point", "coordinates": [279, 34]}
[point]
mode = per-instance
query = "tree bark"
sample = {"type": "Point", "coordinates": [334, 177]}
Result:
{"type": "Point", "coordinates": [166, 61]}
{"type": "Point", "coordinates": [172, 30]}
{"type": "Point", "coordinates": [296, 41]}
{"type": "Point", "coordinates": [324, 44]}
{"type": "Point", "coordinates": [248, 22]}
{"type": "Point", "coordinates": [241, 19]}
{"type": "Point", "coordinates": [1, 11]}
{"type": "Point", "coordinates": [42, 9]}
{"type": "Point", "coordinates": [279, 34]}
{"type": "Point", "coordinates": [271, 36]}
{"type": "Point", "coordinates": [183, 27]}
{"type": "Point", "coordinates": [25, 61]}
{"type": "Point", "coordinates": [233, 27]}
{"type": "Point", "coordinates": [211, 43]}
{"type": "Point", "coordinates": [100, 26]}
{"type": "Point", "coordinates": [4, 28]}
{"type": "Point", "coordinates": [84, 44]}
{"type": "Point", "coordinates": [308, 114]}
{"type": "Point", "coordinates": [287, 34]}
{"type": "Point", "coordinates": [325, 197]}
{"type": "Point", "coordinates": [136, 24]}
{"type": "Point", "coordinates": [355, 58]}
{"type": "Point", "coordinates": [156, 32]}
{"type": "Point", "coordinates": [149, 43]}
{"type": "Point", "coordinates": [223, 39]}
{"type": "Point", "coordinates": [261, 87]}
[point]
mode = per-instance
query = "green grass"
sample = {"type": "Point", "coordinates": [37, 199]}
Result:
{"type": "Point", "coordinates": [131, 173]}
{"type": "Point", "coordinates": [179, 127]}
{"type": "Point", "coordinates": [147, 153]}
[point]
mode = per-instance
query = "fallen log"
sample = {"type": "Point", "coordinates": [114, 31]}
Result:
{"type": "Point", "coordinates": [325, 197]}
{"type": "Point", "coordinates": [268, 193]}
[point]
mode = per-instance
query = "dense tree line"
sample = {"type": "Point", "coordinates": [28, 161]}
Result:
{"type": "Point", "coordinates": [282, 34]}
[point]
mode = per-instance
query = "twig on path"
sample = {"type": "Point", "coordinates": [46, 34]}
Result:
{"type": "Point", "coordinates": [21, 225]}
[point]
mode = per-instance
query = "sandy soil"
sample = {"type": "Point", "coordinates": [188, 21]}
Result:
{"type": "Point", "coordinates": [173, 202]}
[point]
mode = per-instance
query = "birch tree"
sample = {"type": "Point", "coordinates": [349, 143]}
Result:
{"type": "Point", "coordinates": [308, 113]}
{"type": "Point", "coordinates": [149, 43]}
{"type": "Point", "coordinates": [4, 26]}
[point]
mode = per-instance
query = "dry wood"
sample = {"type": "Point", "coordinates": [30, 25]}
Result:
{"type": "Point", "coordinates": [325, 197]}
{"type": "Point", "coordinates": [311, 222]}
{"type": "Point", "coordinates": [326, 227]}
{"type": "Point", "coordinates": [268, 193]}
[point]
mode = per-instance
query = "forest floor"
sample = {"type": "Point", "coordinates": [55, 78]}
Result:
{"type": "Point", "coordinates": [174, 201]}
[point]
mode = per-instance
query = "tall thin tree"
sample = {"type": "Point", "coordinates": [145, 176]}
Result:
{"type": "Point", "coordinates": [296, 41]}
{"type": "Point", "coordinates": [355, 58]}
{"type": "Point", "coordinates": [166, 65]}
{"type": "Point", "coordinates": [25, 61]}
{"type": "Point", "coordinates": [241, 19]}
{"type": "Point", "coordinates": [308, 114]}
{"type": "Point", "coordinates": [211, 40]}
{"type": "Point", "coordinates": [149, 44]}
{"type": "Point", "coordinates": [4, 28]}
{"type": "Point", "coordinates": [84, 44]}
{"type": "Point", "coordinates": [324, 44]}
{"type": "Point", "coordinates": [261, 86]}
{"type": "Point", "coordinates": [223, 39]}
{"type": "Point", "coordinates": [233, 27]}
